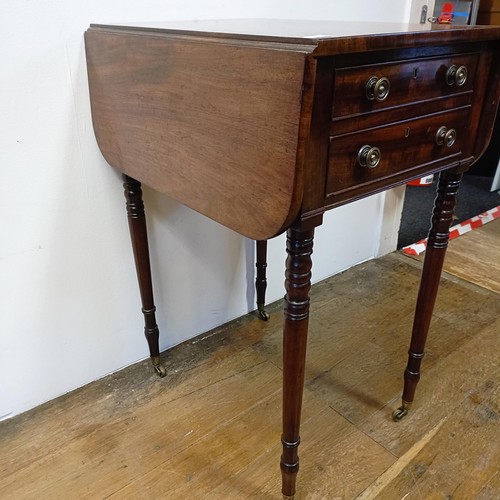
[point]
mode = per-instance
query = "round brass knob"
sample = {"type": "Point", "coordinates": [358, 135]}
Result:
{"type": "Point", "coordinates": [377, 89]}
{"type": "Point", "coordinates": [446, 137]}
{"type": "Point", "coordinates": [456, 76]}
{"type": "Point", "coordinates": [368, 156]}
{"type": "Point", "coordinates": [450, 75]}
{"type": "Point", "coordinates": [450, 137]}
{"type": "Point", "coordinates": [461, 76]}
{"type": "Point", "coordinates": [440, 135]}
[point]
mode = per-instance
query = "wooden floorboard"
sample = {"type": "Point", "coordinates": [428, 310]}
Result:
{"type": "Point", "coordinates": [475, 256]}
{"type": "Point", "coordinates": [210, 429]}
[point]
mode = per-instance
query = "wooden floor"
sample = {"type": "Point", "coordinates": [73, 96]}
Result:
{"type": "Point", "coordinates": [210, 429]}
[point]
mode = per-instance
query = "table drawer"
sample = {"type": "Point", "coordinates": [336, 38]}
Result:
{"type": "Point", "coordinates": [400, 147]}
{"type": "Point", "coordinates": [409, 82]}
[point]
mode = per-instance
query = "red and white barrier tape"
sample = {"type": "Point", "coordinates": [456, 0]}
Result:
{"type": "Point", "coordinates": [462, 228]}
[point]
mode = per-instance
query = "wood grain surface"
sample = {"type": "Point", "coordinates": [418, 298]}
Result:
{"type": "Point", "coordinates": [238, 126]}
{"type": "Point", "coordinates": [209, 429]}
{"type": "Point", "coordinates": [475, 256]}
{"type": "Point", "coordinates": [214, 126]}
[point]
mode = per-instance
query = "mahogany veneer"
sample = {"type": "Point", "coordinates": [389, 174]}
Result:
{"type": "Point", "coordinates": [264, 125]}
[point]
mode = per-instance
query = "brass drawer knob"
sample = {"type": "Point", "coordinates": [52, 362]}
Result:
{"type": "Point", "coordinates": [450, 137]}
{"type": "Point", "coordinates": [377, 89]}
{"type": "Point", "coordinates": [440, 135]}
{"type": "Point", "coordinates": [446, 137]}
{"type": "Point", "coordinates": [456, 76]}
{"type": "Point", "coordinates": [369, 156]}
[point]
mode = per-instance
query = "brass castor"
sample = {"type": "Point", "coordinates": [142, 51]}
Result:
{"type": "Point", "coordinates": [159, 368]}
{"type": "Point", "coordinates": [286, 497]}
{"type": "Point", "coordinates": [263, 315]}
{"type": "Point", "coordinates": [401, 412]}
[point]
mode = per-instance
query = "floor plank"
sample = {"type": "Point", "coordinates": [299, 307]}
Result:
{"type": "Point", "coordinates": [475, 256]}
{"type": "Point", "coordinates": [462, 456]}
{"type": "Point", "coordinates": [211, 428]}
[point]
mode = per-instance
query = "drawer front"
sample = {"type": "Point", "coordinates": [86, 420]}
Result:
{"type": "Point", "coordinates": [357, 89]}
{"type": "Point", "coordinates": [402, 146]}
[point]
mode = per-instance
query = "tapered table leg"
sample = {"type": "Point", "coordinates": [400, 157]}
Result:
{"type": "Point", "coordinates": [261, 279]}
{"type": "Point", "coordinates": [296, 320]}
{"type": "Point", "coordinates": [139, 237]}
{"type": "Point", "coordinates": [439, 234]}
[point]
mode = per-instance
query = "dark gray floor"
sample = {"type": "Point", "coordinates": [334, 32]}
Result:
{"type": "Point", "coordinates": [474, 198]}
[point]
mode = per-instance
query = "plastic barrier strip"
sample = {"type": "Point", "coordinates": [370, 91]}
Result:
{"type": "Point", "coordinates": [455, 231]}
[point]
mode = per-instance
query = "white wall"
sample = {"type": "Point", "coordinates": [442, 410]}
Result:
{"type": "Point", "coordinates": [69, 305]}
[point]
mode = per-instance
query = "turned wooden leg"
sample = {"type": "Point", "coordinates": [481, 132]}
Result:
{"type": "Point", "coordinates": [261, 280]}
{"type": "Point", "coordinates": [442, 216]}
{"type": "Point", "coordinates": [296, 319]}
{"type": "Point", "coordinates": [139, 237]}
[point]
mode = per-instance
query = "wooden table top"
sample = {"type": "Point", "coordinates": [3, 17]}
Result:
{"type": "Point", "coordinates": [235, 119]}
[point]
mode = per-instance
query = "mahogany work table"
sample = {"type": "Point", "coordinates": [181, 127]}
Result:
{"type": "Point", "coordinates": [265, 125]}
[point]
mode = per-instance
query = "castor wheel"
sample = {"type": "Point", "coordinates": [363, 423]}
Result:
{"type": "Point", "coordinates": [159, 368]}
{"type": "Point", "coordinates": [399, 414]}
{"type": "Point", "coordinates": [263, 315]}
